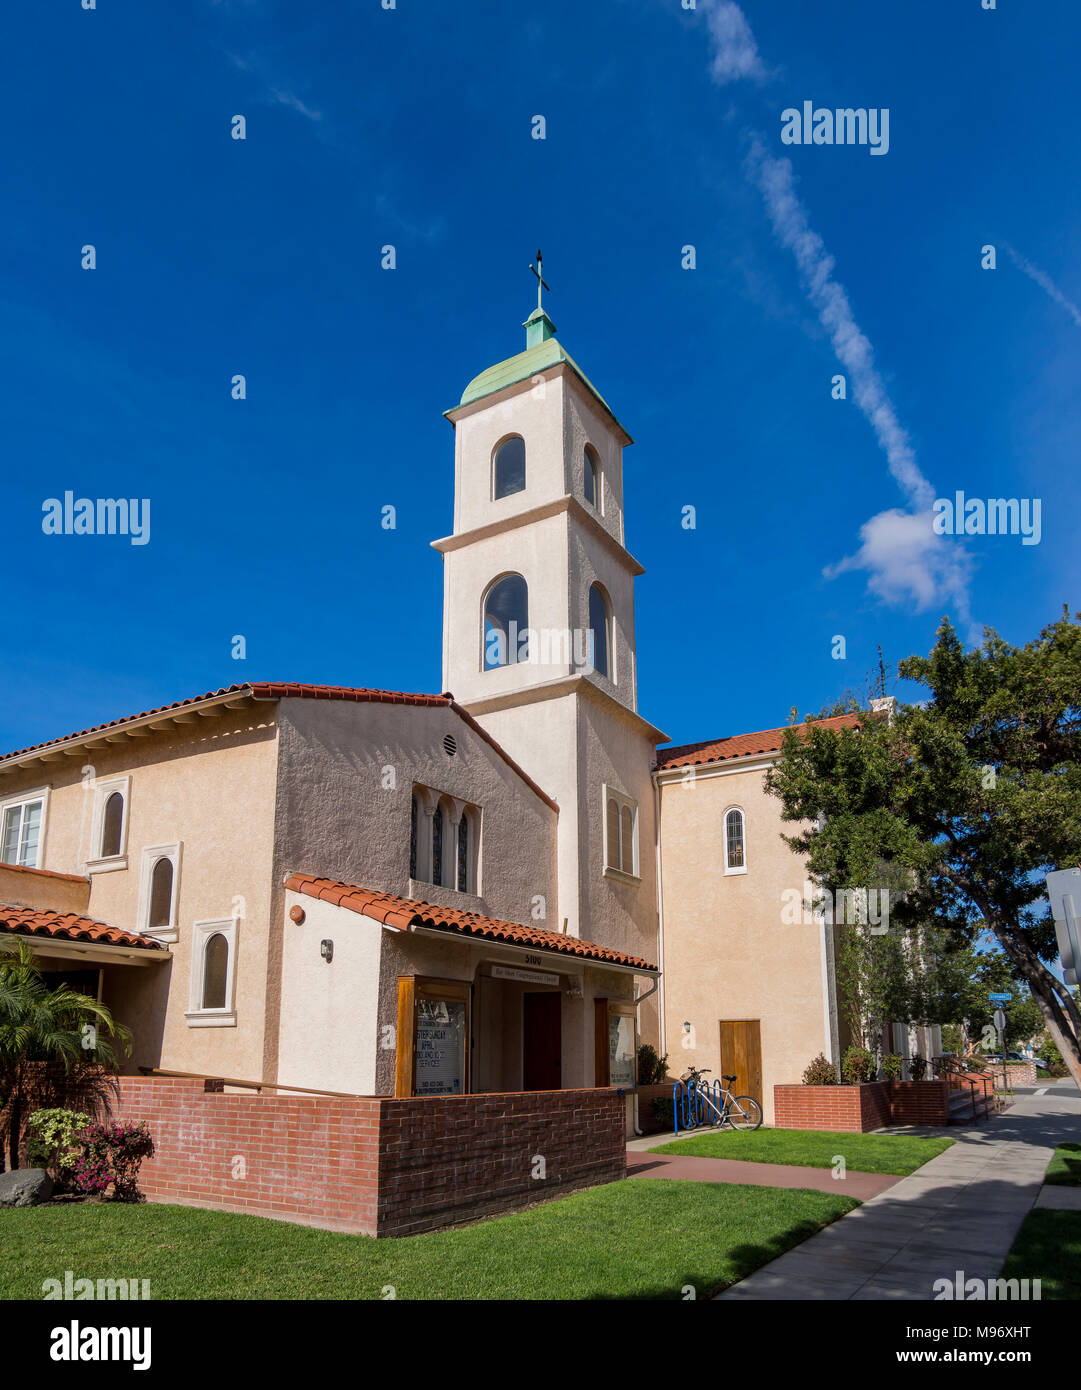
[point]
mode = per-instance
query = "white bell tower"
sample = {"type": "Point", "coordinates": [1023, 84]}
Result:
{"type": "Point", "coordinates": [538, 623]}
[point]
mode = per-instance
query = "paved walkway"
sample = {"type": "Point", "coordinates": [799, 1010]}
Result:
{"type": "Point", "coordinates": [861, 1185]}
{"type": "Point", "coordinates": [960, 1211]}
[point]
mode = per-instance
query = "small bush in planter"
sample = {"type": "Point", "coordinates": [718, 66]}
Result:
{"type": "Point", "coordinates": [53, 1142]}
{"type": "Point", "coordinates": [857, 1065]}
{"type": "Point", "coordinates": [820, 1072]}
{"type": "Point", "coordinates": [663, 1111]}
{"type": "Point", "coordinates": [651, 1068]}
{"type": "Point", "coordinates": [917, 1067]}
{"type": "Point", "coordinates": [112, 1154]}
{"type": "Point", "coordinates": [893, 1065]}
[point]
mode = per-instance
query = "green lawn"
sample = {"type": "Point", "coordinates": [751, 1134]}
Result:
{"type": "Point", "coordinates": [639, 1238]}
{"type": "Point", "coordinates": [813, 1148]}
{"type": "Point", "coordinates": [1048, 1248]}
{"type": "Point", "coordinates": [1064, 1170]}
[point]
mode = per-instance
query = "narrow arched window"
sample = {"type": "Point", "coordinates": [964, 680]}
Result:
{"type": "Point", "coordinates": [613, 834]}
{"type": "Point", "coordinates": [592, 476]}
{"type": "Point", "coordinates": [506, 620]}
{"type": "Point", "coordinates": [215, 971]}
{"type": "Point", "coordinates": [437, 846]}
{"type": "Point", "coordinates": [413, 838]}
{"type": "Point", "coordinates": [626, 840]}
{"type": "Point", "coordinates": [509, 467]}
{"type": "Point", "coordinates": [600, 631]}
{"type": "Point", "coordinates": [463, 854]}
{"type": "Point", "coordinates": [735, 856]}
{"type": "Point", "coordinates": [161, 894]}
{"type": "Point", "coordinates": [112, 825]}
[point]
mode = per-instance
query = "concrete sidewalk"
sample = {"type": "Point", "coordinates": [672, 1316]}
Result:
{"type": "Point", "coordinates": [960, 1211]}
{"type": "Point", "coordinates": [694, 1168]}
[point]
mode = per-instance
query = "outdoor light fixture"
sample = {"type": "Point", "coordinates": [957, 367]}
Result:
{"type": "Point", "coordinates": [574, 989]}
{"type": "Point", "coordinates": [686, 1027]}
{"type": "Point", "coordinates": [326, 949]}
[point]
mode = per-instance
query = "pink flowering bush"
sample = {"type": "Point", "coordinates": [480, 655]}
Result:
{"type": "Point", "coordinates": [111, 1154]}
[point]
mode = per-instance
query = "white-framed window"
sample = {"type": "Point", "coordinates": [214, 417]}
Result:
{"type": "Point", "coordinates": [592, 477]}
{"type": "Point", "coordinates": [508, 467]}
{"type": "Point", "coordinates": [620, 834]}
{"type": "Point", "coordinates": [213, 974]}
{"type": "Point", "coordinates": [734, 835]}
{"type": "Point", "coordinates": [159, 891]}
{"type": "Point", "coordinates": [109, 825]}
{"type": "Point", "coordinates": [22, 828]}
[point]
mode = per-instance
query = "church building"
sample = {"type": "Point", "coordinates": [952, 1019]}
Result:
{"type": "Point", "coordinates": [501, 887]}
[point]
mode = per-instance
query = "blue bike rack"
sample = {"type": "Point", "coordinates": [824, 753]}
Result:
{"type": "Point", "coordinates": [689, 1107]}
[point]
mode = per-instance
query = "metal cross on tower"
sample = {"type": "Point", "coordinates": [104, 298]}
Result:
{"type": "Point", "coordinates": [541, 282]}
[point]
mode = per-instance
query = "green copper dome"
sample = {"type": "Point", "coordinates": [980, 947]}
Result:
{"type": "Point", "coordinates": [541, 353]}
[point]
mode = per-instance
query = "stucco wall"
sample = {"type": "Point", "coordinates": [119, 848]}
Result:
{"type": "Point", "coordinates": [727, 953]}
{"type": "Point", "coordinates": [210, 787]}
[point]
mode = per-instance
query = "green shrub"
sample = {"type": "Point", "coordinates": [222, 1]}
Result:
{"type": "Point", "coordinates": [1046, 1048]}
{"type": "Point", "coordinates": [111, 1155]}
{"type": "Point", "coordinates": [651, 1068]}
{"type": "Point", "coordinates": [54, 1141]}
{"type": "Point", "coordinates": [917, 1066]}
{"type": "Point", "coordinates": [857, 1065]}
{"type": "Point", "coordinates": [893, 1064]}
{"type": "Point", "coordinates": [820, 1072]}
{"type": "Point", "coordinates": [663, 1111]}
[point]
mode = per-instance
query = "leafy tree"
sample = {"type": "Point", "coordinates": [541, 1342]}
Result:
{"type": "Point", "coordinates": [39, 1024]}
{"type": "Point", "coordinates": [967, 798]}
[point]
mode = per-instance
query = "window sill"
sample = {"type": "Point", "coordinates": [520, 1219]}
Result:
{"type": "Point", "coordinates": [161, 933]}
{"type": "Point", "coordinates": [731, 873]}
{"type": "Point", "coordinates": [106, 866]}
{"type": "Point", "coordinates": [198, 1019]}
{"type": "Point", "coordinates": [623, 877]}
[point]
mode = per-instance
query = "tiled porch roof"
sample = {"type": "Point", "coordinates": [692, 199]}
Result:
{"type": "Point", "coordinates": [742, 745]}
{"type": "Point", "coordinates": [69, 926]}
{"type": "Point", "coordinates": [407, 912]}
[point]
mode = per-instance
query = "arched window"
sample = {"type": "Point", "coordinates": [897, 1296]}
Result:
{"type": "Point", "coordinates": [600, 630]}
{"type": "Point", "coordinates": [463, 853]}
{"type": "Point", "coordinates": [413, 839]}
{"type": "Point", "coordinates": [437, 846]}
{"type": "Point", "coordinates": [215, 971]}
{"type": "Point", "coordinates": [506, 618]}
{"type": "Point", "coordinates": [161, 894]}
{"type": "Point", "coordinates": [735, 854]}
{"type": "Point", "coordinates": [621, 834]}
{"type": "Point", "coordinates": [509, 467]}
{"type": "Point", "coordinates": [592, 476]}
{"type": "Point", "coordinates": [112, 825]}
{"type": "Point", "coordinates": [613, 834]}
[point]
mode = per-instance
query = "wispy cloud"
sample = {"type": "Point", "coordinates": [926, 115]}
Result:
{"type": "Point", "coordinates": [735, 52]}
{"type": "Point", "coordinates": [1045, 283]}
{"type": "Point", "coordinates": [905, 561]}
{"type": "Point", "coordinates": [258, 67]}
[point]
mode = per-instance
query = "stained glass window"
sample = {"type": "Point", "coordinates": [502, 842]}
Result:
{"type": "Point", "coordinates": [510, 467]}
{"type": "Point", "coordinates": [215, 969]}
{"type": "Point", "coordinates": [413, 839]}
{"type": "Point", "coordinates": [437, 846]}
{"type": "Point", "coordinates": [506, 619]}
{"type": "Point", "coordinates": [112, 824]}
{"type": "Point", "coordinates": [463, 854]}
{"type": "Point", "coordinates": [733, 823]}
{"type": "Point", "coordinates": [161, 894]}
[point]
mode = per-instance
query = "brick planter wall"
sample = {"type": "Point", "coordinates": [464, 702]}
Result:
{"type": "Point", "coordinates": [374, 1165]}
{"type": "Point", "coordinates": [858, 1109]}
{"type": "Point", "coordinates": [1020, 1073]}
{"type": "Point", "coordinates": [647, 1123]}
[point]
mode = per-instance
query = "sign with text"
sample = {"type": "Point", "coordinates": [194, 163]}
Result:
{"type": "Point", "coordinates": [526, 977]}
{"type": "Point", "coordinates": [440, 1047]}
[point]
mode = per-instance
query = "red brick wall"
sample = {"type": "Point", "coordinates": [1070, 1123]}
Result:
{"type": "Point", "coordinates": [860, 1108]}
{"type": "Point", "coordinates": [368, 1164]}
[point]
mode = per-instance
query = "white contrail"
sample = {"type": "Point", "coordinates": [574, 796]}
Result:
{"type": "Point", "coordinates": [1045, 283]}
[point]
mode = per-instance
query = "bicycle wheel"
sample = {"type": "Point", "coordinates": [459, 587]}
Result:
{"type": "Point", "coordinates": [744, 1113]}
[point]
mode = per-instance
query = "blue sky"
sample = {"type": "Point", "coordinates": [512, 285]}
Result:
{"type": "Point", "coordinates": [413, 127]}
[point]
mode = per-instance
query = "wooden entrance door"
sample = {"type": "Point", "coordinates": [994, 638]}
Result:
{"type": "Point", "coordinates": [542, 1052]}
{"type": "Point", "coordinates": [741, 1053]}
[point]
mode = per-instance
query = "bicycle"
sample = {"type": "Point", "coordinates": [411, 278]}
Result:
{"type": "Point", "coordinates": [741, 1112]}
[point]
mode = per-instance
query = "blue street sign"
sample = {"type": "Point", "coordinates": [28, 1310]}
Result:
{"type": "Point", "coordinates": [1000, 998]}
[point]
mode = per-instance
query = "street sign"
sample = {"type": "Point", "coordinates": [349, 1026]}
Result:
{"type": "Point", "coordinates": [1000, 998]}
{"type": "Point", "coordinates": [1064, 892]}
{"type": "Point", "coordinates": [1000, 1023]}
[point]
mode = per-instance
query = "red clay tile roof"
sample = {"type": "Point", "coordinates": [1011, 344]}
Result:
{"type": "Point", "coordinates": [741, 745]}
{"type": "Point", "coordinates": [406, 912]}
{"type": "Point", "coordinates": [43, 873]}
{"type": "Point", "coordinates": [297, 690]}
{"type": "Point", "coordinates": [69, 926]}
